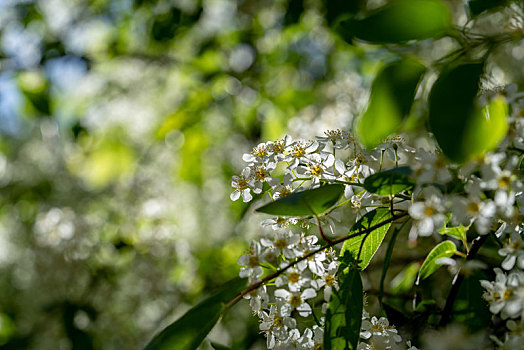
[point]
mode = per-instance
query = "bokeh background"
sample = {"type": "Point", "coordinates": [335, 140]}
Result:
{"type": "Point", "coordinates": [121, 124]}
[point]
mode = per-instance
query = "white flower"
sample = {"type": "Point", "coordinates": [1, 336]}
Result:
{"type": "Point", "coordinates": [284, 242]}
{"type": "Point", "coordinates": [296, 300]}
{"type": "Point", "coordinates": [252, 261]}
{"type": "Point", "coordinates": [258, 300]}
{"type": "Point", "coordinates": [428, 215]}
{"type": "Point", "coordinates": [472, 209]}
{"type": "Point", "coordinates": [261, 174]}
{"type": "Point", "coordinates": [513, 252]}
{"type": "Point", "coordinates": [379, 329]}
{"type": "Point", "coordinates": [295, 279]}
{"type": "Point", "coordinates": [297, 150]}
{"type": "Point", "coordinates": [505, 294]}
{"type": "Point", "coordinates": [276, 324]}
{"type": "Point", "coordinates": [242, 185]}
{"type": "Point", "coordinates": [318, 166]}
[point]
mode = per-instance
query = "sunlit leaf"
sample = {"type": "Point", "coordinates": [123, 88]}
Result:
{"type": "Point", "coordinates": [401, 21]}
{"type": "Point", "coordinates": [458, 232]}
{"type": "Point", "coordinates": [389, 182]}
{"type": "Point", "coordinates": [392, 95]}
{"type": "Point", "coordinates": [444, 249]}
{"type": "Point", "coordinates": [372, 241]}
{"type": "Point", "coordinates": [462, 129]}
{"type": "Point", "coordinates": [344, 313]}
{"type": "Point", "coordinates": [305, 203]}
{"type": "Point", "coordinates": [189, 331]}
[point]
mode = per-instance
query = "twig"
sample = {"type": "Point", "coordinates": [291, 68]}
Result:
{"type": "Point", "coordinates": [304, 257]}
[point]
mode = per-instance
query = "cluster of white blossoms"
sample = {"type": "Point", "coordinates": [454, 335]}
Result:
{"type": "Point", "coordinates": [483, 196]}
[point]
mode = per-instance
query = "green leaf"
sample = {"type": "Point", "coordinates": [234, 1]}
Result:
{"type": "Point", "coordinates": [392, 95]}
{"type": "Point", "coordinates": [476, 7]}
{"type": "Point", "coordinates": [400, 21]}
{"type": "Point", "coordinates": [389, 182]}
{"type": "Point", "coordinates": [344, 312]}
{"type": "Point", "coordinates": [462, 129]}
{"type": "Point", "coordinates": [372, 240]}
{"type": "Point", "coordinates": [189, 331]}
{"type": "Point", "coordinates": [444, 249]}
{"type": "Point", "coordinates": [305, 203]}
{"type": "Point", "coordinates": [458, 232]}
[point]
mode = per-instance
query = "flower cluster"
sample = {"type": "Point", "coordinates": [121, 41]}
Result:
{"type": "Point", "coordinates": [482, 196]}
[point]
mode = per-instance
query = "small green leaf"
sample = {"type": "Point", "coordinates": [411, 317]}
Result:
{"type": "Point", "coordinates": [344, 312]}
{"type": "Point", "coordinates": [458, 232]}
{"type": "Point", "coordinates": [189, 331]}
{"type": "Point", "coordinates": [392, 95]}
{"type": "Point", "coordinates": [400, 21]}
{"type": "Point", "coordinates": [389, 182]}
{"type": "Point", "coordinates": [372, 240]}
{"type": "Point", "coordinates": [444, 249]}
{"type": "Point", "coordinates": [305, 203]}
{"type": "Point", "coordinates": [462, 129]}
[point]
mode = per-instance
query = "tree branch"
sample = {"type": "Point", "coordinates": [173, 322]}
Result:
{"type": "Point", "coordinates": [304, 257]}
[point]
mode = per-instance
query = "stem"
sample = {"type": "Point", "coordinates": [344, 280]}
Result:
{"type": "Point", "coordinates": [457, 281]}
{"type": "Point", "coordinates": [304, 257]}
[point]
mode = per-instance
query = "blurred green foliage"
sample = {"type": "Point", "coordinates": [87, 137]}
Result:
{"type": "Point", "coordinates": [122, 123]}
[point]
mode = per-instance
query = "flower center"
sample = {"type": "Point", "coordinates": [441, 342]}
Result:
{"type": "Point", "coordinates": [261, 173]}
{"type": "Point", "coordinates": [259, 151]}
{"type": "Point", "coordinates": [280, 243]}
{"type": "Point", "coordinates": [316, 170]}
{"type": "Point", "coordinates": [278, 321]}
{"type": "Point", "coordinates": [429, 211]}
{"type": "Point", "coordinates": [295, 301]}
{"type": "Point", "coordinates": [298, 151]}
{"type": "Point", "coordinates": [504, 181]}
{"type": "Point", "coordinates": [253, 261]}
{"type": "Point", "coordinates": [294, 277]}
{"type": "Point", "coordinates": [242, 184]}
{"type": "Point", "coordinates": [330, 280]}
{"type": "Point", "coordinates": [473, 207]}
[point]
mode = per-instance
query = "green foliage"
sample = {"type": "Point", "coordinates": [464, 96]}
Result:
{"type": "Point", "coordinates": [389, 182]}
{"type": "Point", "coordinates": [189, 331]}
{"type": "Point", "coordinates": [305, 203]}
{"type": "Point", "coordinates": [344, 313]}
{"type": "Point", "coordinates": [444, 249]}
{"type": "Point", "coordinates": [462, 129]}
{"type": "Point", "coordinates": [459, 232]}
{"type": "Point", "coordinates": [392, 95]}
{"type": "Point", "coordinates": [401, 21]}
{"type": "Point", "coordinates": [367, 244]}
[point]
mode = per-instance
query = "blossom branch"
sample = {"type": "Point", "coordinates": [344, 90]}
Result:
{"type": "Point", "coordinates": [305, 256]}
